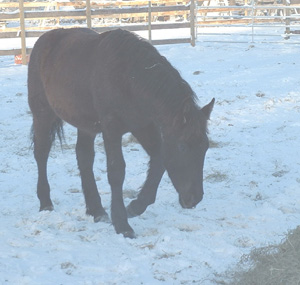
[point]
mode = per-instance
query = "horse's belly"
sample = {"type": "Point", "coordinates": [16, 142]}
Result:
{"type": "Point", "coordinates": [76, 109]}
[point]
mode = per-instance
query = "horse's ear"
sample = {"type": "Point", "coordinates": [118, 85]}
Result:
{"type": "Point", "coordinates": [208, 108]}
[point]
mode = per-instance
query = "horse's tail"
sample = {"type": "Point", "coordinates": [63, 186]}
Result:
{"type": "Point", "coordinates": [56, 130]}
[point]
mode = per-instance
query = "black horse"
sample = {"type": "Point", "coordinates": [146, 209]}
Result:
{"type": "Point", "coordinates": [114, 83]}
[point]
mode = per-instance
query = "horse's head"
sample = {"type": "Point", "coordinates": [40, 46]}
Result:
{"type": "Point", "coordinates": [184, 152]}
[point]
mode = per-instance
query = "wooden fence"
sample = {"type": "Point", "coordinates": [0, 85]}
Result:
{"type": "Point", "coordinates": [33, 15]}
{"type": "Point", "coordinates": [252, 21]}
{"type": "Point", "coordinates": [23, 20]}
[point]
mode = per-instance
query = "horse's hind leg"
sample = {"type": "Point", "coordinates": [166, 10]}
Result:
{"type": "Point", "coordinates": [43, 124]}
{"type": "Point", "coordinates": [150, 139]}
{"type": "Point", "coordinates": [85, 158]}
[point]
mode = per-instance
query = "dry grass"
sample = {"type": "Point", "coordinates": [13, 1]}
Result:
{"type": "Point", "coordinates": [215, 177]}
{"type": "Point", "coordinates": [271, 265]}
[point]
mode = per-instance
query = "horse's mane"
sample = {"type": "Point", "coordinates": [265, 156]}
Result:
{"type": "Point", "coordinates": [150, 73]}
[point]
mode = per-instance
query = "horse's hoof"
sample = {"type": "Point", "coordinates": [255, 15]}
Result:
{"type": "Point", "coordinates": [99, 215]}
{"type": "Point", "coordinates": [103, 218]}
{"type": "Point", "coordinates": [125, 229]}
{"type": "Point", "coordinates": [46, 208]}
{"type": "Point", "coordinates": [129, 234]}
{"type": "Point", "coordinates": [130, 212]}
{"type": "Point", "coordinates": [134, 209]}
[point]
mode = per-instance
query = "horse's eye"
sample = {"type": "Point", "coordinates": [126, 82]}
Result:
{"type": "Point", "coordinates": [182, 147]}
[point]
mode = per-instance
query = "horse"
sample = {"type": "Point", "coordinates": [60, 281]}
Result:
{"type": "Point", "coordinates": [115, 83]}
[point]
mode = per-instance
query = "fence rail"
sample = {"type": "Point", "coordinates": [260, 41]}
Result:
{"type": "Point", "coordinates": [89, 13]}
{"type": "Point", "coordinates": [203, 18]}
{"type": "Point", "coordinates": [268, 21]}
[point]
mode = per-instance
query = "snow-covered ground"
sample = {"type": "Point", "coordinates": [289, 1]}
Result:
{"type": "Point", "coordinates": [252, 180]}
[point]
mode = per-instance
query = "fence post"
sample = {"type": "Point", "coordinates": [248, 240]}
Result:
{"type": "Point", "coordinates": [149, 21]}
{"type": "Point", "coordinates": [287, 14]}
{"type": "Point", "coordinates": [23, 35]}
{"type": "Point", "coordinates": [192, 22]}
{"type": "Point", "coordinates": [245, 3]}
{"type": "Point", "coordinates": [88, 14]}
{"type": "Point", "coordinates": [253, 14]}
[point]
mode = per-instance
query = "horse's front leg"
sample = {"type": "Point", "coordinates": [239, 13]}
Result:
{"type": "Point", "coordinates": [150, 139]}
{"type": "Point", "coordinates": [116, 174]}
{"type": "Point", "coordinates": [85, 158]}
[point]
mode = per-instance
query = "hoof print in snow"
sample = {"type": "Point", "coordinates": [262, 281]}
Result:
{"type": "Point", "coordinates": [280, 173]}
{"type": "Point", "coordinates": [68, 267]}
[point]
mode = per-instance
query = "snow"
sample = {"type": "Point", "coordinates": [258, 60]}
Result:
{"type": "Point", "coordinates": [251, 180]}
